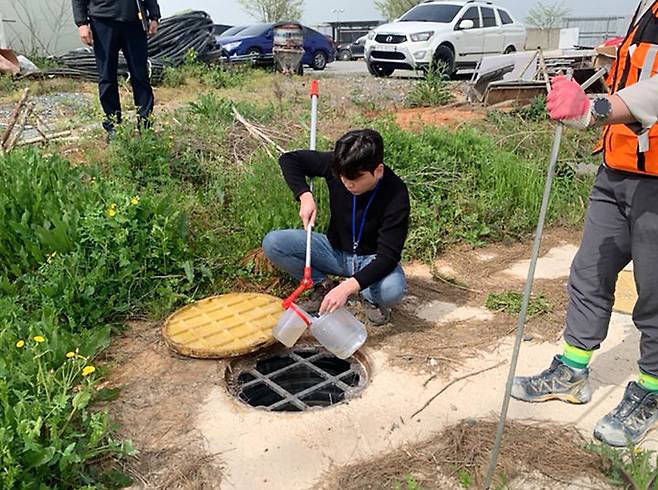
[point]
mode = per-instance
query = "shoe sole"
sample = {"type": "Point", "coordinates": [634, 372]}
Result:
{"type": "Point", "coordinates": [639, 441]}
{"type": "Point", "coordinates": [555, 396]}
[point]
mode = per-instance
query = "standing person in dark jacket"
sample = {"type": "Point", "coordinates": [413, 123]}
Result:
{"type": "Point", "coordinates": [110, 26]}
{"type": "Point", "coordinates": [369, 219]}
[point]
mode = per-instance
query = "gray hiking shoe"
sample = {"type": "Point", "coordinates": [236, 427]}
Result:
{"type": "Point", "coordinates": [558, 382]}
{"type": "Point", "coordinates": [377, 315]}
{"type": "Point", "coordinates": [631, 420]}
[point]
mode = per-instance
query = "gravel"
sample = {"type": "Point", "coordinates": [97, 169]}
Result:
{"type": "Point", "coordinates": [52, 108]}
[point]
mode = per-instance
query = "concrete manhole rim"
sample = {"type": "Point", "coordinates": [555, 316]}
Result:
{"type": "Point", "coordinates": [360, 362]}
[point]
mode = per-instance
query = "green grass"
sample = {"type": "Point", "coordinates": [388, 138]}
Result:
{"type": "Point", "coordinates": [49, 437]}
{"type": "Point", "coordinates": [213, 76]}
{"type": "Point", "coordinates": [510, 302]}
{"type": "Point", "coordinates": [631, 467]}
{"type": "Point", "coordinates": [464, 187]}
{"type": "Point", "coordinates": [432, 90]}
{"type": "Point", "coordinates": [78, 253]}
{"type": "Point", "coordinates": [409, 483]}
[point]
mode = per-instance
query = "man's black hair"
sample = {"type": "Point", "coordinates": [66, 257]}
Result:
{"type": "Point", "coordinates": [356, 152]}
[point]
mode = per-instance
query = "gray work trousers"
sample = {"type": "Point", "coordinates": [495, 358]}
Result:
{"type": "Point", "coordinates": [621, 224]}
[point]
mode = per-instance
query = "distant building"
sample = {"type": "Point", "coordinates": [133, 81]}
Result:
{"type": "Point", "coordinates": [346, 32]}
{"type": "Point", "coordinates": [38, 26]}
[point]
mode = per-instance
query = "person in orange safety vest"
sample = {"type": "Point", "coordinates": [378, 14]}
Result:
{"type": "Point", "coordinates": [621, 226]}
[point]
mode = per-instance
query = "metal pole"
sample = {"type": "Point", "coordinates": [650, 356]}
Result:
{"type": "Point", "coordinates": [526, 300]}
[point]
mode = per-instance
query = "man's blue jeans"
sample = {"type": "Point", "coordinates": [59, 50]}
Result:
{"type": "Point", "coordinates": [286, 249]}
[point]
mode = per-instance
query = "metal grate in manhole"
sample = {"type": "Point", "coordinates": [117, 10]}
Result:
{"type": "Point", "coordinates": [297, 380]}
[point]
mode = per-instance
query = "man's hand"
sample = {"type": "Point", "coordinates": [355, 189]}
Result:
{"type": "Point", "coordinates": [153, 28]}
{"type": "Point", "coordinates": [567, 100]}
{"type": "Point", "coordinates": [85, 35]}
{"type": "Point", "coordinates": [307, 209]}
{"type": "Point", "coordinates": [337, 297]}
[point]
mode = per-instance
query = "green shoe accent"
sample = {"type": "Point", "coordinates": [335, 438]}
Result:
{"type": "Point", "coordinates": [647, 382]}
{"type": "Point", "coordinates": [575, 357]}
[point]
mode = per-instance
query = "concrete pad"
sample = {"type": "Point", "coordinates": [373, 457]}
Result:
{"type": "Point", "coordinates": [423, 271]}
{"type": "Point", "coordinates": [440, 312]}
{"type": "Point", "coordinates": [468, 313]}
{"type": "Point", "coordinates": [261, 450]}
{"type": "Point", "coordinates": [554, 265]}
{"type": "Point", "coordinates": [435, 311]}
{"type": "Point", "coordinates": [445, 269]}
{"type": "Point", "coordinates": [483, 256]}
{"type": "Point", "coordinates": [625, 293]}
{"type": "Point", "coordinates": [418, 270]}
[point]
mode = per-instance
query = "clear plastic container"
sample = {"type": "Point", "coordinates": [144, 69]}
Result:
{"type": "Point", "coordinates": [339, 332]}
{"type": "Point", "coordinates": [291, 325]}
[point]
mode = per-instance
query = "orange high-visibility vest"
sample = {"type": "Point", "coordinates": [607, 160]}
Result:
{"type": "Point", "coordinates": [636, 60]}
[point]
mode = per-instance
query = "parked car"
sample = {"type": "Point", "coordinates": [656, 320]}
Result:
{"type": "Point", "coordinates": [457, 33]}
{"type": "Point", "coordinates": [259, 39]}
{"type": "Point", "coordinates": [230, 32]}
{"type": "Point", "coordinates": [353, 51]}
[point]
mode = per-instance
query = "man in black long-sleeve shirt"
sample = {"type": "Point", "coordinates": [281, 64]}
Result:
{"type": "Point", "coordinates": [367, 227]}
{"type": "Point", "coordinates": [110, 26]}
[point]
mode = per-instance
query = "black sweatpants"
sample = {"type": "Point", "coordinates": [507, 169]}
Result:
{"type": "Point", "coordinates": [111, 36]}
{"type": "Point", "coordinates": [621, 225]}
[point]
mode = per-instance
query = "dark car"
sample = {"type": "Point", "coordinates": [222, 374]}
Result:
{"type": "Point", "coordinates": [259, 39]}
{"type": "Point", "coordinates": [354, 51]}
{"type": "Point", "coordinates": [231, 31]}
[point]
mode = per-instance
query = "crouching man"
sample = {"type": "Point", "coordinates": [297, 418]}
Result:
{"type": "Point", "coordinates": [369, 219]}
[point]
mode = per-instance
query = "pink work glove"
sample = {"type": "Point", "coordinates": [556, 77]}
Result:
{"type": "Point", "coordinates": [566, 100]}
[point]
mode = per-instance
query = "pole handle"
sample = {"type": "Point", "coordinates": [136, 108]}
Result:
{"type": "Point", "coordinates": [315, 88]}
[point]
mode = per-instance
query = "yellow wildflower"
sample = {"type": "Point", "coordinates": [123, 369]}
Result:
{"type": "Point", "coordinates": [112, 210]}
{"type": "Point", "coordinates": [70, 355]}
{"type": "Point", "coordinates": [50, 257]}
{"type": "Point", "coordinates": [134, 200]}
{"type": "Point", "coordinates": [20, 344]}
{"type": "Point", "coordinates": [39, 339]}
{"type": "Point", "coordinates": [87, 370]}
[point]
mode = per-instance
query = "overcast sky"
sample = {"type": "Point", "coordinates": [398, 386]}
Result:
{"type": "Point", "coordinates": [319, 11]}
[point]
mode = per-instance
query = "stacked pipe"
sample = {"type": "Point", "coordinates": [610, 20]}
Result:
{"type": "Point", "coordinates": [176, 36]}
{"type": "Point", "coordinates": [81, 65]}
{"type": "Point", "coordinates": [181, 33]}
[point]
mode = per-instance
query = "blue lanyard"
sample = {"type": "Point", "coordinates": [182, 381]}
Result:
{"type": "Point", "coordinates": [357, 238]}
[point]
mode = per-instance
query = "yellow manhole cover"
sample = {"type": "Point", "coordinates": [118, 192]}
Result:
{"type": "Point", "coordinates": [625, 293]}
{"type": "Point", "coordinates": [223, 326]}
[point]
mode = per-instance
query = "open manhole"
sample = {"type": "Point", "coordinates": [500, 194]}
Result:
{"type": "Point", "coordinates": [297, 380]}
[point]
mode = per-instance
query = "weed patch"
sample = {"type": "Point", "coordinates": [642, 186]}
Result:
{"type": "Point", "coordinates": [49, 437]}
{"type": "Point", "coordinates": [510, 302]}
{"type": "Point", "coordinates": [215, 76]}
{"type": "Point", "coordinates": [433, 90]}
{"type": "Point", "coordinates": [629, 467]}
{"type": "Point", "coordinates": [77, 254]}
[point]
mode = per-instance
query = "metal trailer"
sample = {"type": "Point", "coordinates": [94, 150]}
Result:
{"type": "Point", "coordinates": [595, 30]}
